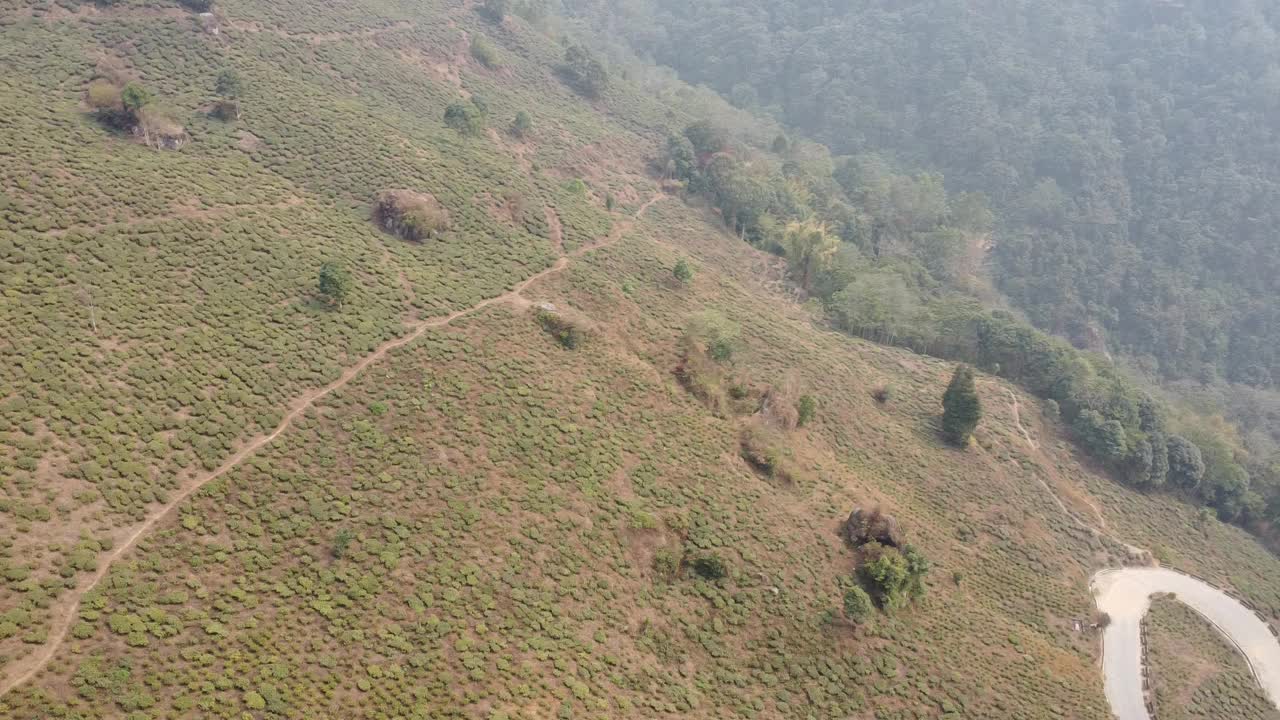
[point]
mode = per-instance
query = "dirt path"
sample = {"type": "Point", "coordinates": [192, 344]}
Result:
{"type": "Point", "coordinates": [555, 228]}
{"type": "Point", "coordinates": [1101, 529]}
{"type": "Point", "coordinates": [66, 608]}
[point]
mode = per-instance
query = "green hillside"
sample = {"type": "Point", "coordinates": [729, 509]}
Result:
{"type": "Point", "coordinates": [522, 468]}
{"type": "Point", "coordinates": [1196, 673]}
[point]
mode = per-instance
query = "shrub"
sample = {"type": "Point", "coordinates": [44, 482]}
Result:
{"type": "Point", "coordinates": [412, 216]}
{"type": "Point", "coordinates": [806, 409]}
{"type": "Point", "coordinates": [465, 118]}
{"type": "Point", "coordinates": [522, 125]}
{"type": "Point", "coordinates": [565, 331]}
{"type": "Point", "coordinates": [584, 72]}
{"type": "Point", "coordinates": [682, 272]}
{"type": "Point", "coordinates": [484, 51]}
{"type": "Point", "coordinates": [225, 110]}
{"type": "Point", "coordinates": [197, 6]}
{"type": "Point", "coordinates": [666, 563]}
{"type": "Point", "coordinates": [858, 606]}
{"type": "Point", "coordinates": [104, 95]}
{"type": "Point", "coordinates": [710, 567]}
{"type": "Point", "coordinates": [341, 542]}
{"type": "Point", "coordinates": [883, 394]}
{"type": "Point", "coordinates": [334, 283]}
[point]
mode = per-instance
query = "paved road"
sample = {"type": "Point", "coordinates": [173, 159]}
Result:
{"type": "Point", "coordinates": [1125, 595]}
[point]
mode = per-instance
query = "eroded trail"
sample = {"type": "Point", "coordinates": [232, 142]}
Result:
{"type": "Point", "coordinates": [64, 610]}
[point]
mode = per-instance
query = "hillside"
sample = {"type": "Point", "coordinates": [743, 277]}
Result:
{"type": "Point", "coordinates": [1196, 673]}
{"type": "Point", "coordinates": [227, 493]}
{"type": "Point", "coordinates": [1126, 141]}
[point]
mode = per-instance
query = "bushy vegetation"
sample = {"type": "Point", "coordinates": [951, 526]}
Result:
{"type": "Point", "coordinates": [566, 331]}
{"type": "Point", "coordinates": [584, 72]}
{"type": "Point", "coordinates": [335, 283]}
{"type": "Point", "coordinates": [888, 260]}
{"type": "Point", "coordinates": [682, 272]}
{"type": "Point", "coordinates": [1080, 122]}
{"type": "Point", "coordinates": [484, 51]}
{"type": "Point", "coordinates": [412, 216]}
{"type": "Point", "coordinates": [522, 124]}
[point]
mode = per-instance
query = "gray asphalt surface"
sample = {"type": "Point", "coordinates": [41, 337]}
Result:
{"type": "Point", "coordinates": [1125, 595]}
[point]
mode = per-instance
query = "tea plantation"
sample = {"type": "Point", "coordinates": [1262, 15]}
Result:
{"type": "Point", "coordinates": [485, 521]}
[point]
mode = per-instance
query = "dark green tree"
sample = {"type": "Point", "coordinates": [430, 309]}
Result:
{"type": "Point", "coordinates": [682, 272]}
{"type": "Point", "coordinates": [858, 606]}
{"type": "Point", "coordinates": [680, 161]}
{"type": "Point", "coordinates": [584, 72]}
{"type": "Point", "coordinates": [229, 84]}
{"type": "Point", "coordinates": [522, 125]}
{"type": "Point", "coordinates": [341, 542]}
{"type": "Point", "coordinates": [465, 118]}
{"type": "Point", "coordinates": [961, 409]}
{"type": "Point", "coordinates": [710, 567]}
{"type": "Point", "coordinates": [706, 137]}
{"type": "Point", "coordinates": [335, 283]}
{"type": "Point", "coordinates": [134, 97]}
{"type": "Point", "coordinates": [806, 410]}
{"type": "Point", "coordinates": [495, 10]}
{"type": "Point", "coordinates": [1186, 464]}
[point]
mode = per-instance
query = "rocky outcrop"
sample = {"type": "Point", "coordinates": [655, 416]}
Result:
{"type": "Point", "coordinates": [864, 526]}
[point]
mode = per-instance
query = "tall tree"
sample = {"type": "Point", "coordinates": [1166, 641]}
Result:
{"type": "Point", "coordinates": [335, 283]}
{"type": "Point", "coordinates": [809, 249]}
{"type": "Point", "coordinates": [961, 408]}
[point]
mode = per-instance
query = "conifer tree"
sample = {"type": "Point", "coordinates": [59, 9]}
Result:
{"type": "Point", "coordinates": [961, 408]}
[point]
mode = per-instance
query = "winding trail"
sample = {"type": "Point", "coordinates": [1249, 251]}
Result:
{"type": "Point", "coordinates": [65, 609]}
{"type": "Point", "coordinates": [1124, 594]}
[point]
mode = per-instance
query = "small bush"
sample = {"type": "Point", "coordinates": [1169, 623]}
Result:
{"type": "Point", "coordinates": [858, 606]}
{"type": "Point", "coordinates": [484, 52]}
{"type": "Point", "coordinates": [666, 563]}
{"type": "Point", "coordinates": [565, 331]}
{"type": "Point", "coordinates": [763, 449]}
{"type": "Point", "coordinates": [710, 567]}
{"type": "Point", "coordinates": [682, 272]}
{"type": "Point", "coordinates": [883, 394]}
{"type": "Point", "coordinates": [522, 125]}
{"type": "Point", "coordinates": [718, 335]}
{"type": "Point", "coordinates": [806, 409]}
{"type": "Point", "coordinates": [465, 118]}
{"type": "Point", "coordinates": [703, 377]}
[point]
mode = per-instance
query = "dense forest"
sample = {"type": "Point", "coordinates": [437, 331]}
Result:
{"type": "Point", "coordinates": [1130, 145]}
{"type": "Point", "coordinates": [1109, 166]}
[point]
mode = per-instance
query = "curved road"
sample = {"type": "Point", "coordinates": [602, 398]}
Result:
{"type": "Point", "coordinates": [1125, 595]}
